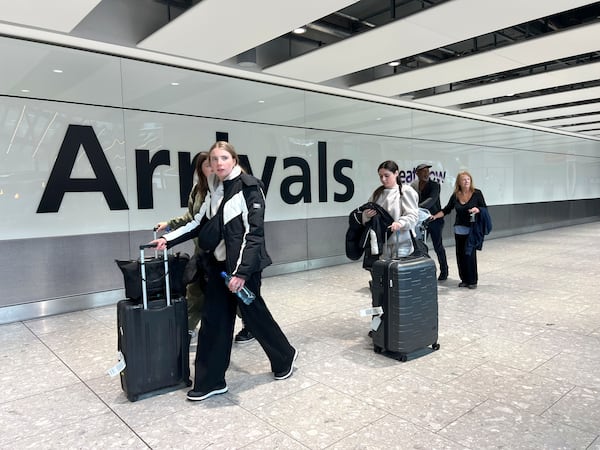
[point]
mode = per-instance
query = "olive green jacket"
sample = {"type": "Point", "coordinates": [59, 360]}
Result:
{"type": "Point", "coordinates": [195, 200]}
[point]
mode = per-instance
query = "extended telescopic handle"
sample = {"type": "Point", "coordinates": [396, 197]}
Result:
{"type": "Point", "coordinates": [143, 270]}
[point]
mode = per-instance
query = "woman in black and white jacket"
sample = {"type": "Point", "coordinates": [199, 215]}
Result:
{"type": "Point", "coordinates": [239, 199]}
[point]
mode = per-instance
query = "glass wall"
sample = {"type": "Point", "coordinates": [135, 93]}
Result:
{"type": "Point", "coordinates": [100, 147]}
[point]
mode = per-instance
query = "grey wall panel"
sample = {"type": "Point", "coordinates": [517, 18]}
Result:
{"type": "Point", "coordinates": [326, 237]}
{"type": "Point", "coordinates": [59, 267]}
{"type": "Point", "coordinates": [77, 272]}
{"type": "Point", "coordinates": [286, 241]}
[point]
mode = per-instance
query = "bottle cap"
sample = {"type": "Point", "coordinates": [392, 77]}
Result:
{"type": "Point", "coordinates": [224, 274]}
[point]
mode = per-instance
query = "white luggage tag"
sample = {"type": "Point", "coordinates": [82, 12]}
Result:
{"type": "Point", "coordinates": [118, 367]}
{"type": "Point", "coordinates": [374, 312]}
{"type": "Point", "coordinates": [375, 323]}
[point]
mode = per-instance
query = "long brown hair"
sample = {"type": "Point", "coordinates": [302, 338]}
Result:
{"type": "Point", "coordinates": [392, 167]}
{"type": "Point", "coordinates": [457, 182]}
{"type": "Point", "coordinates": [202, 181]}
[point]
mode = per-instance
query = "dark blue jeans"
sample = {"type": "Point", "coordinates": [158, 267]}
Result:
{"type": "Point", "coordinates": [435, 229]}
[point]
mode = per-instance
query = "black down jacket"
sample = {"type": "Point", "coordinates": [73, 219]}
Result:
{"type": "Point", "coordinates": [357, 236]}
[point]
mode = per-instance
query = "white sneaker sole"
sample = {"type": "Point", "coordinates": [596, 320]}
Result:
{"type": "Point", "coordinates": [289, 374]}
{"type": "Point", "coordinates": [208, 394]}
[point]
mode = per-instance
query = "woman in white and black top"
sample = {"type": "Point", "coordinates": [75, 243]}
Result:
{"type": "Point", "coordinates": [402, 203]}
{"type": "Point", "coordinates": [238, 201]}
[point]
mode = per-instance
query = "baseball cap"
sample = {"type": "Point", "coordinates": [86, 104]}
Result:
{"type": "Point", "coordinates": [423, 166]}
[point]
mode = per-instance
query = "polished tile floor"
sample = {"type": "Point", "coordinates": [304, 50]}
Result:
{"type": "Point", "coordinates": [518, 368]}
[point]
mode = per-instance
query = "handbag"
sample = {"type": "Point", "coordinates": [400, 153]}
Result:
{"type": "Point", "coordinates": [196, 268]}
{"type": "Point", "coordinates": [210, 233]}
{"type": "Point", "coordinates": [419, 247]}
{"type": "Point", "coordinates": [155, 276]}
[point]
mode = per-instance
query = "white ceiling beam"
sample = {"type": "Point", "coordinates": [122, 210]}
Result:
{"type": "Point", "coordinates": [579, 128]}
{"type": "Point", "coordinates": [56, 15]}
{"type": "Point", "coordinates": [559, 77]}
{"type": "Point", "coordinates": [432, 28]}
{"type": "Point", "coordinates": [555, 112]}
{"type": "Point", "coordinates": [550, 47]}
{"type": "Point", "coordinates": [570, 120]}
{"type": "Point", "coordinates": [538, 101]}
{"type": "Point", "coordinates": [216, 30]}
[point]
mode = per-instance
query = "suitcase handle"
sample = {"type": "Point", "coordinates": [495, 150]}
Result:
{"type": "Point", "coordinates": [394, 251]}
{"type": "Point", "coordinates": [143, 270]}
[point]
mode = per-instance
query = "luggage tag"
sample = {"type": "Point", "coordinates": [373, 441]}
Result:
{"type": "Point", "coordinates": [375, 323]}
{"type": "Point", "coordinates": [376, 313]}
{"type": "Point", "coordinates": [118, 367]}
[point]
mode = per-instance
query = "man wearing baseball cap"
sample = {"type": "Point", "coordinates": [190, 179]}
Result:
{"type": "Point", "coordinates": [429, 198]}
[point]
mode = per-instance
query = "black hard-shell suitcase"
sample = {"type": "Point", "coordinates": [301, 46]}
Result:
{"type": "Point", "coordinates": [406, 289]}
{"type": "Point", "coordinates": [154, 341]}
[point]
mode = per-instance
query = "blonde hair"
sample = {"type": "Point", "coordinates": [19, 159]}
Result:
{"type": "Point", "coordinates": [229, 149]}
{"type": "Point", "coordinates": [457, 182]}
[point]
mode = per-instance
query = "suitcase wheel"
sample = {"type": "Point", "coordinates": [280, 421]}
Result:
{"type": "Point", "coordinates": [401, 357]}
{"type": "Point", "coordinates": [188, 383]}
{"type": "Point", "coordinates": [435, 346]}
{"type": "Point", "coordinates": [377, 349]}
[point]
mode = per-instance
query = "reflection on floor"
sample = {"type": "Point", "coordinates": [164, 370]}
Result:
{"type": "Point", "coordinates": [519, 367]}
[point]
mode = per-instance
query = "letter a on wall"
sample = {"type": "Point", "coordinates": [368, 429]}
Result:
{"type": "Point", "coordinates": [60, 181]}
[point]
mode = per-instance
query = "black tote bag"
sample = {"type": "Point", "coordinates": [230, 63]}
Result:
{"type": "Point", "coordinates": [155, 276]}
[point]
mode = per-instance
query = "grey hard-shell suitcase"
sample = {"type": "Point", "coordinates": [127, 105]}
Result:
{"type": "Point", "coordinates": [406, 289]}
{"type": "Point", "coordinates": [154, 340]}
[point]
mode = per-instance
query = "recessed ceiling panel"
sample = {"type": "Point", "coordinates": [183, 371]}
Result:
{"type": "Point", "coordinates": [571, 120]}
{"type": "Point", "coordinates": [216, 30]}
{"type": "Point", "coordinates": [561, 77]}
{"type": "Point", "coordinates": [432, 28]}
{"type": "Point", "coordinates": [538, 101]}
{"type": "Point", "coordinates": [57, 15]}
{"type": "Point", "coordinates": [555, 112]}
{"type": "Point", "coordinates": [587, 126]}
{"type": "Point", "coordinates": [549, 47]}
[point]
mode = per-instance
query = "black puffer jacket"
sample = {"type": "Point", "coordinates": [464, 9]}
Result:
{"type": "Point", "coordinates": [244, 226]}
{"type": "Point", "coordinates": [357, 235]}
{"type": "Point", "coordinates": [243, 231]}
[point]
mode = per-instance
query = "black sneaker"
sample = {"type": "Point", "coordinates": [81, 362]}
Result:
{"type": "Point", "coordinates": [443, 276]}
{"type": "Point", "coordinates": [244, 336]}
{"type": "Point", "coordinates": [288, 372]}
{"type": "Point", "coordinates": [196, 396]}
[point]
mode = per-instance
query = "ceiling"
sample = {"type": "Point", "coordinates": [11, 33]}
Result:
{"type": "Point", "coordinates": [534, 62]}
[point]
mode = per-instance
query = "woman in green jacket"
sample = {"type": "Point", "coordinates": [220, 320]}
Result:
{"type": "Point", "coordinates": [194, 291]}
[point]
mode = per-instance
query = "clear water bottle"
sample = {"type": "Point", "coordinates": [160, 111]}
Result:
{"type": "Point", "coordinates": [245, 294]}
